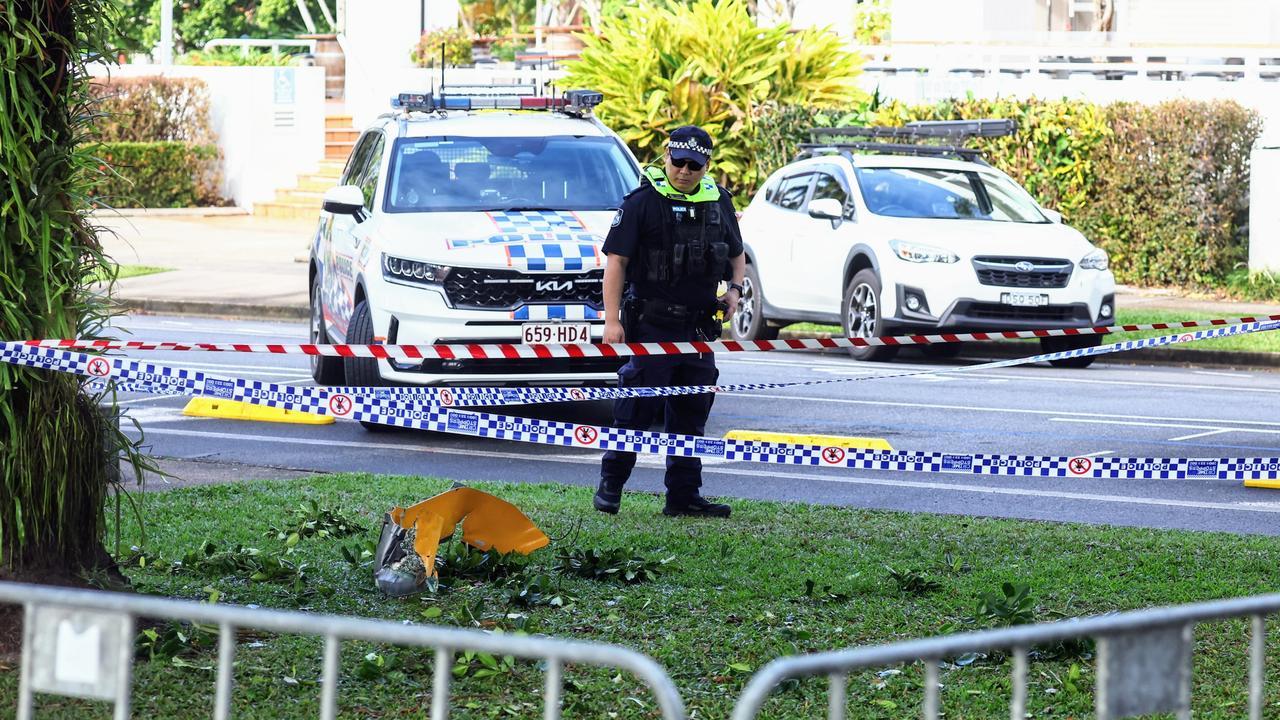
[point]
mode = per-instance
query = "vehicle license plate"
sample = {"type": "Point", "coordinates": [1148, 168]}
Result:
{"type": "Point", "coordinates": [555, 333]}
{"type": "Point", "coordinates": [1024, 299]}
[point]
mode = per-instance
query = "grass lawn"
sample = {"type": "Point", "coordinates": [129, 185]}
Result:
{"type": "Point", "coordinates": [128, 271]}
{"type": "Point", "coordinates": [776, 579]}
{"type": "Point", "coordinates": [1253, 342]}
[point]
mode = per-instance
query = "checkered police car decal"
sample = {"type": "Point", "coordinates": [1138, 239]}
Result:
{"type": "Point", "coordinates": [410, 412]}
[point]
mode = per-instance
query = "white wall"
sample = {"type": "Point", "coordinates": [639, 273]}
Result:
{"type": "Point", "coordinates": [268, 135]}
{"type": "Point", "coordinates": [1159, 22]}
{"type": "Point", "coordinates": [377, 40]}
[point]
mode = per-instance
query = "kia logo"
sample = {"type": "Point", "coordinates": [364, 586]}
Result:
{"type": "Point", "coordinates": [1024, 266]}
{"type": "Point", "coordinates": [553, 285]}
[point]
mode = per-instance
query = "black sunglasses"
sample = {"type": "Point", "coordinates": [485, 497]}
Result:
{"type": "Point", "coordinates": [690, 164]}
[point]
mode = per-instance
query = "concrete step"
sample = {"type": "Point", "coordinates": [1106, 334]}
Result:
{"type": "Point", "coordinates": [337, 121]}
{"type": "Point", "coordinates": [285, 211]}
{"type": "Point", "coordinates": [341, 135]}
{"type": "Point", "coordinates": [331, 168]}
{"type": "Point", "coordinates": [298, 196]}
{"type": "Point", "coordinates": [338, 150]}
{"type": "Point", "coordinates": [316, 183]}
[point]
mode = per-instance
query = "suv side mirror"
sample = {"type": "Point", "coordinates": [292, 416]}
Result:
{"type": "Point", "coordinates": [344, 200]}
{"type": "Point", "coordinates": [1053, 215]}
{"type": "Point", "coordinates": [826, 209]}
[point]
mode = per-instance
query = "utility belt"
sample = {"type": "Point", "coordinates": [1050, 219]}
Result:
{"type": "Point", "coordinates": [706, 321]}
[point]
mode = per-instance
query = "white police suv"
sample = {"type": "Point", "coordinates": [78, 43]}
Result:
{"type": "Point", "coordinates": [905, 236]}
{"type": "Point", "coordinates": [474, 216]}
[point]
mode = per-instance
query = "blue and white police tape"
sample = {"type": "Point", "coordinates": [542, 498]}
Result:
{"type": "Point", "coordinates": [159, 378]}
{"type": "Point", "coordinates": [245, 390]}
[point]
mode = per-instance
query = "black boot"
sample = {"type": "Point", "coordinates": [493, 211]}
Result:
{"type": "Point", "coordinates": [608, 496]}
{"type": "Point", "coordinates": [695, 506]}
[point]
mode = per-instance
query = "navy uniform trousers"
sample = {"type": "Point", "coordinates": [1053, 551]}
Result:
{"type": "Point", "coordinates": [684, 414]}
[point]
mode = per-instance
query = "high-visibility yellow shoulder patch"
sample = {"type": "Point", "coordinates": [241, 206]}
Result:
{"type": "Point", "coordinates": [861, 443]}
{"type": "Point", "coordinates": [236, 410]}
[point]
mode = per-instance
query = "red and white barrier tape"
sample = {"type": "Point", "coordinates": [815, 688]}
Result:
{"type": "Point", "coordinates": [509, 351]}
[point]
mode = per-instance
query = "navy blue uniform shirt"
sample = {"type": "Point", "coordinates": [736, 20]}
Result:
{"type": "Point", "coordinates": [640, 224]}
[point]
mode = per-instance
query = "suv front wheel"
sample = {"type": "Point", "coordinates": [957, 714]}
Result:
{"type": "Point", "coordinates": [861, 313]}
{"type": "Point", "coordinates": [363, 372]}
{"type": "Point", "coordinates": [748, 321]}
{"type": "Point", "coordinates": [325, 370]}
{"type": "Point", "coordinates": [1071, 342]}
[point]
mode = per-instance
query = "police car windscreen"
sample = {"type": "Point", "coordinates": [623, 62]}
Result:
{"type": "Point", "coordinates": [945, 194]}
{"type": "Point", "coordinates": [465, 174]}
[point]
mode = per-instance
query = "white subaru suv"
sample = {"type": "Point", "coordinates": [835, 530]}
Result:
{"type": "Point", "coordinates": [886, 238]}
{"type": "Point", "coordinates": [470, 218]}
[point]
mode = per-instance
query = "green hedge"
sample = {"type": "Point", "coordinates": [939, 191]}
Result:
{"type": "Point", "coordinates": [157, 174]}
{"type": "Point", "coordinates": [1163, 188]}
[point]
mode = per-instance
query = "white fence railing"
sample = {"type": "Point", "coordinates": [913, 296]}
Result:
{"type": "Point", "coordinates": [80, 643]}
{"type": "Point", "coordinates": [1076, 62]}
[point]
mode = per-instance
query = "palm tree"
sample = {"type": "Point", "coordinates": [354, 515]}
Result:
{"type": "Point", "coordinates": [54, 437]}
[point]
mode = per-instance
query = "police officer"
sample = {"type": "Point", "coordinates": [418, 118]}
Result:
{"type": "Point", "coordinates": [673, 241]}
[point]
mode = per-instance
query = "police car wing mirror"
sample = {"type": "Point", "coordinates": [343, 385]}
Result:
{"type": "Point", "coordinates": [826, 209]}
{"type": "Point", "coordinates": [345, 200]}
{"type": "Point", "coordinates": [1053, 215]}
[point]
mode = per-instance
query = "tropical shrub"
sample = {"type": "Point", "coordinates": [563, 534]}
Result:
{"type": "Point", "coordinates": [158, 142]}
{"type": "Point", "coordinates": [153, 109]}
{"type": "Point", "coordinates": [1170, 203]}
{"type": "Point", "coordinates": [233, 57]}
{"type": "Point", "coordinates": [58, 443]}
{"type": "Point", "coordinates": [159, 175]}
{"type": "Point", "coordinates": [708, 64]}
{"type": "Point", "coordinates": [871, 22]}
{"type": "Point", "coordinates": [457, 48]}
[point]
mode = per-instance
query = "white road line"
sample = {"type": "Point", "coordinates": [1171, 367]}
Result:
{"type": "Point", "coordinates": [976, 408]}
{"type": "Point", "coordinates": [1217, 374]}
{"type": "Point", "coordinates": [282, 370]}
{"type": "Point", "coordinates": [154, 398]}
{"type": "Point", "coordinates": [1216, 428]}
{"type": "Point", "coordinates": [1198, 435]}
{"type": "Point", "coordinates": [987, 490]}
{"type": "Point", "coordinates": [1099, 453]}
{"type": "Point", "coordinates": [592, 458]}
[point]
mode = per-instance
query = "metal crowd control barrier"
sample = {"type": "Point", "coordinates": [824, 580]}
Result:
{"type": "Point", "coordinates": [1143, 660]}
{"type": "Point", "coordinates": [80, 643]}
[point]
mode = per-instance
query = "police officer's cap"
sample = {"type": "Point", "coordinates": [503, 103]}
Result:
{"type": "Point", "coordinates": [690, 142]}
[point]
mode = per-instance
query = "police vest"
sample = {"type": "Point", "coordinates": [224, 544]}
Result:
{"type": "Point", "coordinates": [694, 233]}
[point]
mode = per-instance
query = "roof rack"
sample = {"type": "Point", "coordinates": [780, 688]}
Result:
{"type": "Point", "coordinates": [864, 138]}
{"type": "Point", "coordinates": [812, 149]}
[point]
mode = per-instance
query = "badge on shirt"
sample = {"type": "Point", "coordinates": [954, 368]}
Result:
{"type": "Point", "coordinates": [617, 218]}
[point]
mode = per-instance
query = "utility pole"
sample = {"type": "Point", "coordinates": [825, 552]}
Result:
{"type": "Point", "coordinates": [165, 47]}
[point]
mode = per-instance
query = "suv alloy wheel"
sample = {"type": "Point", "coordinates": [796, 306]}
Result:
{"type": "Point", "coordinates": [861, 313]}
{"type": "Point", "coordinates": [324, 370]}
{"type": "Point", "coordinates": [748, 321]}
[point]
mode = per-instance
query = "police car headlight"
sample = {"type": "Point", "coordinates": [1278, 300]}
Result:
{"type": "Point", "coordinates": [911, 252]}
{"type": "Point", "coordinates": [394, 268]}
{"type": "Point", "coordinates": [1096, 260]}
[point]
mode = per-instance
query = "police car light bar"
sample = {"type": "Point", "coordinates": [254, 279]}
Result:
{"type": "Point", "coordinates": [497, 97]}
{"type": "Point", "coordinates": [580, 102]}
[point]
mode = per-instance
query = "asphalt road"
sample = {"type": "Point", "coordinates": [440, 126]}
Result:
{"type": "Point", "coordinates": [1112, 408]}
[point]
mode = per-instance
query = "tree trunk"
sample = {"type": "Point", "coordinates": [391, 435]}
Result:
{"type": "Point", "coordinates": [54, 473]}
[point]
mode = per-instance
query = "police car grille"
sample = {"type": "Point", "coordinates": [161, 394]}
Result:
{"type": "Point", "coordinates": [507, 289]}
